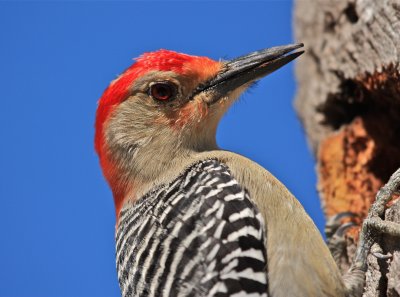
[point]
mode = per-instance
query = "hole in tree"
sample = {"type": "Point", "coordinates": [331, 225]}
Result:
{"type": "Point", "coordinates": [351, 13]}
{"type": "Point", "coordinates": [375, 99]}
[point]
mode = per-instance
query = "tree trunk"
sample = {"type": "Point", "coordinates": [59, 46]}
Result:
{"type": "Point", "coordinates": [349, 102]}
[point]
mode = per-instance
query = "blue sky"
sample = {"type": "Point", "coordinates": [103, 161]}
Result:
{"type": "Point", "coordinates": [57, 214]}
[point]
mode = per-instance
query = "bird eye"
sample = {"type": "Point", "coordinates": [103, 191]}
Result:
{"type": "Point", "coordinates": [162, 91]}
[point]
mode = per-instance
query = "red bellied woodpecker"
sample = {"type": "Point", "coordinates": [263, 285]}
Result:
{"type": "Point", "coordinates": [192, 219]}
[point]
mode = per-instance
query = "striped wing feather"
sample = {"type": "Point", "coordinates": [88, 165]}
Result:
{"type": "Point", "coordinates": [198, 236]}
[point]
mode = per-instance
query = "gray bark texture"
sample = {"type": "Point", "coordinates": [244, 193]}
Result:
{"type": "Point", "coordinates": [348, 100]}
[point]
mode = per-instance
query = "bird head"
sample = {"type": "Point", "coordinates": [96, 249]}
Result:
{"type": "Point", "coordinates": [166, 106]}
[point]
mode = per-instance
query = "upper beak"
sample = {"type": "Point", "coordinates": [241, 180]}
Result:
{"type": "Point", "coordinates": [248, 68]}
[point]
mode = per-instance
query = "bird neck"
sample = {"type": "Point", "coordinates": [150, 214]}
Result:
{"type": "Point", "coordinates": [139, 167]}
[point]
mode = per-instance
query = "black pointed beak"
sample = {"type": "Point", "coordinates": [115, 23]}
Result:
{"type": "Point", "coordinates": [247, 69]}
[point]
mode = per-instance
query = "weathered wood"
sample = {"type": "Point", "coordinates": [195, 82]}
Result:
{"type": "Point", "coordinates": [349, 102]}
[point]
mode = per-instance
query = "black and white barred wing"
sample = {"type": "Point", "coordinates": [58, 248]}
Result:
{"type": "Point", "coordinates": [199, 236]}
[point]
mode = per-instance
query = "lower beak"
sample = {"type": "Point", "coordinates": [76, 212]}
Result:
{"type": "Point", "coordinates": [247, 69]}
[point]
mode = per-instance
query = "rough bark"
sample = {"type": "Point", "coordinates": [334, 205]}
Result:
{"type": "Point", "coordinates": [349, 102]}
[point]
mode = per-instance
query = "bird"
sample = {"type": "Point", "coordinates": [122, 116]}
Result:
{"type": "Point", "coordinates": [194, 219]}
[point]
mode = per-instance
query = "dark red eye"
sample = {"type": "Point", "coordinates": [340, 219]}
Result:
{"type": "Point", "coordinates": [162, 91]}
